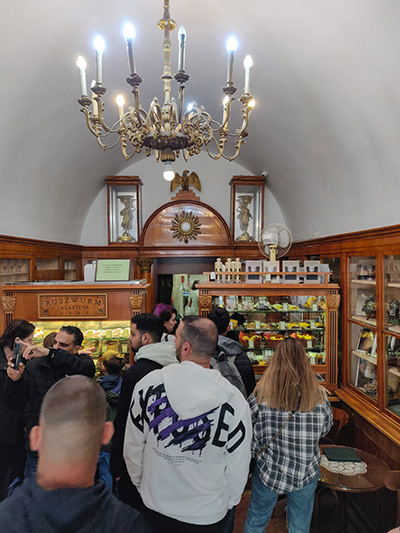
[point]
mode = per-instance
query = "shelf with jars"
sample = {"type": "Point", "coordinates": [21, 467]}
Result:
{"type": "Point", "coordinates": [263, 314]}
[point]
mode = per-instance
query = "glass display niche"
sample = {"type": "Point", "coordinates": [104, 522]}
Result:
{"type": "Point", "coordinates": [124, 209]}
{"type": "Point", "coordinates": [247, 207]}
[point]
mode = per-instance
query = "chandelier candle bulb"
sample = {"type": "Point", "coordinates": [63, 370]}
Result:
{"type": "Point", "coordinates": [81, 64]}
{"type": "Point", "coordinates": [182, 44]}
{"type": "Point", "coordinates": [247, 63]}
{"type": "Point", "coordinates": [129, 34]}
{"type": "Point", "coordinates": [99, 46]}
{"type": "Point", "coordinates": [120, 103]}
{"type": "Point", "coordinates": [231, 46]}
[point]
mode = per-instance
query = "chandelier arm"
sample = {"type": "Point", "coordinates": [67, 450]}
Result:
{"type": "Point", "coordinates": [89, 120]}
{"type": "Point", "coordinates": [248, 105]}
{"type": "Point", "coordinates": [124, 144]}
{"type": "Point", "coordinates": [220, 144]}
{"type": "Point", "coordinates": [226, 112]}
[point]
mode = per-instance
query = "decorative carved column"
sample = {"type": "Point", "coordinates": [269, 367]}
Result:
{"type": "Point", "coordinates": [145, 264]}
{"type": "Point", "coordinates": [8, 302]}
{"type": "Point", "coordinates": [205, 303]}
{"type": "Point", "coordinates": [332, 307]}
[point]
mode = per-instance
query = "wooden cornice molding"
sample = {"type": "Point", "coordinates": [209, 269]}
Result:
{"type": "Point", "coordinates": [346, 242]}
{"type": "Point", "coordinates": [22, 242]}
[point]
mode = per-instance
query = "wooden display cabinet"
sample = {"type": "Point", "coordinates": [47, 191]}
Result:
{"type": "Point", "coordinates": [273, 311]}
{"type": "Point", "coordinates": [371, 359]}
{"type": "Point", "coordinates": [368, 263]}
{"type": "Point", "coordinates": [102, 311]}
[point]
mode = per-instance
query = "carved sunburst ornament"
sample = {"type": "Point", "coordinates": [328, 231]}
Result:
{"type": "Point", "coordinates": [186, 226]}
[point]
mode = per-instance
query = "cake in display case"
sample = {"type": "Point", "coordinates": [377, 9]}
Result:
{"type": "Point", "coordinates": [264, 314]}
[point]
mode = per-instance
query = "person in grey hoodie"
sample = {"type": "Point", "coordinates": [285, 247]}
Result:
{"type": "Point", "coordinates": [150, 354]}
{"type": "Point", "coordinates": [231, 348]}
{"type": "Point", "coordinates": [64, 495]}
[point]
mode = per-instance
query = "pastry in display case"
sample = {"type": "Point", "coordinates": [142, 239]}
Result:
{"type": "Point", "coordinates": [262, 315]}
{"type": "Point", "coordinates": [100, 335]}
{"type": "Point", "coordinates": [269, 320]}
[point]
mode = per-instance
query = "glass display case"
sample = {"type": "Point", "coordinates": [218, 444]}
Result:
{"type": "Point", "coordinates": [247, 207]}
{"type": "Point", "coordinates": [71, 269]}
{"type": "Point", "coordinates": [48, 268]}
{"type": "Point", "coordinates": [102, 311]}
{"type": "Point", "coordinates": [391, 342]}
{"type": "Point", "coordinates": [102, 335]}
{"type": "Point", "coordinates": [264, 314]}
{"type": "Point", "coordinates": [14, 269]}
{"type": "Point", "coordinates": [374, 329]}
{"type": "Point", "coordinates": [269, 320]}
{"type": "Point", "coordinates": [362, 327]}
{"type": "Point", "coordinates": [124, 209]}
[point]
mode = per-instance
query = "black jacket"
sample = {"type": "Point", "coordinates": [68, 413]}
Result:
{"type": "Point", "coordinates": [11, 413]}
{"type": "Point", "coordinates": [242, 362]}
{"type": "Point", "coordinates": [132, 376]}
{"type": "Point", "coordinates": [40, 374]}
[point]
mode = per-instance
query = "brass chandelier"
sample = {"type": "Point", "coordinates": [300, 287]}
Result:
{"type": "Point", "coordinates": [165, 129]}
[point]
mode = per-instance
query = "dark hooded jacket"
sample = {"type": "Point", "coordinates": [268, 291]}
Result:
{"type": "Point", "coordinates": [30, 509]}
{"type": "Point", "coordinates": [111, 384]}
{"type": "Point", "coordinates": [232, 348]}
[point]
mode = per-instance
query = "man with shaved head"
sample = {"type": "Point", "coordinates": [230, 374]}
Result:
{"type": "Point", "coordinates": [64, 496]}
{"type": "Point", "coordinates": [187, 439]}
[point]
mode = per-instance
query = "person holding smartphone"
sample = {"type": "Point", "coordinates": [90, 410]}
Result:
{"type": "Point", "coordinates": [12, 453]}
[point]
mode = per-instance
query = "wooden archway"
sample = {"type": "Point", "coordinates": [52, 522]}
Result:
{"type": "Point", "coordinates": [158, 232]}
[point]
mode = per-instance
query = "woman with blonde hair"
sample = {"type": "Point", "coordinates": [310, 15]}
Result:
{"type": "Point", "coordinates": [290, 413]}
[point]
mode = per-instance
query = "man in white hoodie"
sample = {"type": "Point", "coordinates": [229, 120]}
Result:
{"type": "Point", "coordinates": [150, 354]}
{"type": "Point", "coordinates": [187, 440]}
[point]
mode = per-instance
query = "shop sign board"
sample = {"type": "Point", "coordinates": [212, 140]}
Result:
{"type": "Point", "coordinates": [76, 306]}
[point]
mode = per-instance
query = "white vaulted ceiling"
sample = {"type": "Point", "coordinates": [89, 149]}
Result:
{"type": "Point", "coordinates": [326, 128]}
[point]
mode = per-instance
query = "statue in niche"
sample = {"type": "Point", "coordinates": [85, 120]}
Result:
{"type": "Point", "coordinates": [127, 217]}
{"type": "Point", "coordinates": [244, 216]}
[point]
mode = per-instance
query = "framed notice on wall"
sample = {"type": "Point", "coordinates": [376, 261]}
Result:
{"type": "Point", "coordinates": [113, 270]}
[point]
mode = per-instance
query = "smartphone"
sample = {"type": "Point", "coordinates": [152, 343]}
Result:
{"type": "Point", "coordinates": [17, 357]}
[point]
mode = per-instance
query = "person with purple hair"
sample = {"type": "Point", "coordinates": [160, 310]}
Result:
{"type": "Point", "coordinates": [167, 313]}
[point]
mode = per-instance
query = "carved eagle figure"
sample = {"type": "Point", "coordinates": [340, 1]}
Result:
{"type": "Point", "coordinates": [185, 181]}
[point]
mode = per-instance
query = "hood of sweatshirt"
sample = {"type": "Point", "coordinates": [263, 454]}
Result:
{"type": "Point", "coordinates": [228, 346]}
{"type": "Point", "coordinates": [64, 510]}
{"type": "Point", "coordinates": [193, 390]}
{"type": "Point", "coordinates": [160, 352]}
{"type": "Point", "coordinates": [111, 382]}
